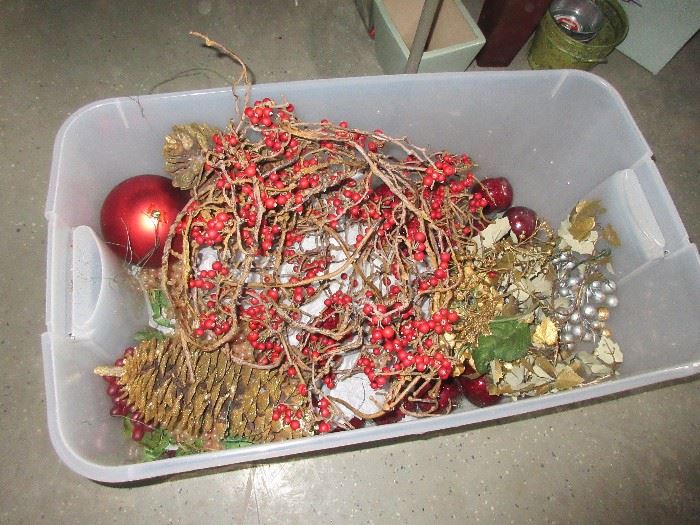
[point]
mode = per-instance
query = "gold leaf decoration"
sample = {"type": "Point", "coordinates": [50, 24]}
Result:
{"type": "Point", "coordinates": [567, 240]}
{"type": "Point", "coordinates": [586, 208]}
{"type": "Point", "coordinates": [608, 351]}
{"type": "Point", "coordinates": [582, 227]}
{"type": "Point", "coordinates": [610, 235]}
{"type": "Point", "coordinates": [494, 232]}
{"type": "Point", "coordinates": [546, 333]}
{"type": "Point", "coordinates": [582, 218]}
{"type": "Point", "coordinates": [568, 378]}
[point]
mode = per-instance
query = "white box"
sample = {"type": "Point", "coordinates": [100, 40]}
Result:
{"type": "Point", "coordinates": [558, 135]}
{"type": "Point", "coordinates": [453, 44]}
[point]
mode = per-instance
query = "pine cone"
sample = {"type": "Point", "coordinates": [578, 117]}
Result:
{"type": "Point", "coordinates": [185, 152]}
{"type": "Point", "coordinates": [225, 398]}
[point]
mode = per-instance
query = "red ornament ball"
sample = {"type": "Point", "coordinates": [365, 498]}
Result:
{"type": "Point", "coordinates": [499, 194]}
{"type": "Point", "coordinates": [523, 221]}
{"type": "Point", "coordinates": [136, 217]}
{"type": "Point", "coordinates": [477, 391]}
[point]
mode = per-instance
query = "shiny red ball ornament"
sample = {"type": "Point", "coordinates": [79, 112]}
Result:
{"type": "Point", "coordinates": [523, 221]}
{"type": "Point", "coordinates": [136, 217]}
{"type": "Point", "coordinates": [499, 194]}
{"type": "Point", "coordinates": [477, 391]}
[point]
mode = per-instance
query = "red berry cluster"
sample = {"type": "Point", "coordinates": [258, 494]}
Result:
{"type": "Point", "coordinates": [477, 202]}
{"type": "Point", "coordinates": [213, 322]}
{"type": "Point", "coordinates": [288, 415]}
{"type": "Point", "coordinates": [209, 233]}
{"type": "Point", "coordinates": [207, 279]}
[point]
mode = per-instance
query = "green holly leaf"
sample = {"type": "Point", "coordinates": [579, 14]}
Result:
{"type": "Point", "coordinates": [155, 443]}
{"type": "Point", "coordinates": [235, 442]}
{"type": "Point", "coordinates": [509, 340]}
{"type": "Point", "coordinates": [159, 304]}
{"type": "Point", "coordinates": [190, 447]}
{"type": "Point", "coordinates": [127, 426]}
{"type": "Point", "coordinates": [149, 333]}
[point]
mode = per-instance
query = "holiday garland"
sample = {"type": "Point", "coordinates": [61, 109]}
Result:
{"type": "Point", "coordinates": [313, 253]}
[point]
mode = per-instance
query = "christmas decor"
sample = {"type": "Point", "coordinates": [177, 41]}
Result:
{"type": "Point", "coordinates": [330, 276]}
{"type": "Point", "coordinates": [136, 216]}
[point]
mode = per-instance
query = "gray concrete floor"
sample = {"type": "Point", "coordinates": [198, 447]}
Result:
{"type": "Point", "coordinates": [633, 459]}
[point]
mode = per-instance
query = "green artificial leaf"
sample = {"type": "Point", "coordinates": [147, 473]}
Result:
{"type": "Point", "coordinates": [149, 333]}
{"type": "Point", "coordinates": [190, 447]}
{"type": "Point", "coordinates": [509, 340]}
{"type": "Point", "coordinates": [127, 426]}
{"type": "Point", "coordinates": [155, 443]}
{"type": "Point", "coordinates": [235, 442]}
{"type": "Point", "coordinates": [159, 304]}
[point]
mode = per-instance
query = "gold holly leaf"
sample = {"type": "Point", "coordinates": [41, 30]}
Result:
{"type": "Point", "coordinates": [496, 371]}
{"type": "Point", "coordinates": [541, 284]}
{"type": "Point", "coordinates": [545, 334]}
{"type": "Point", "coordinates": [494, 232]}
{"type": "Point", "coordinates": [505, 262]}
{"type": "Point", "coordinates": [567, 378]}
{"type": "Point", "coordinates": [608, 351]}
{"type": "Point", "coordinates": [586, 208]}
{"type": "Point", "coordinates": [581, 228]}
{"type": "Point", "coordinates": [543, 368]}
{"type": "Point", "coordinates": [515, 378]}
{"type": "Point", "coordinates": [546, 365]}
{"type": "Point", "coordinates": [601, 370]}
{"type": "Point", "coordinates": [610, 235]}
{"type": "Point", "coordinates": [582, 219]}
{"type": "Point", "coordinates": [584, 246]}
{"type": "Point", "coordinates": [185, 152]}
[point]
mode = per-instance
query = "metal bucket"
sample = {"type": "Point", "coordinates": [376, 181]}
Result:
{"type": "Point", "coordinates": [553, 48]}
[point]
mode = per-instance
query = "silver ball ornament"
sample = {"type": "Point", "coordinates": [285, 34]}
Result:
{"type": "Point", "coordinates": [611, 301]}
{"type": "Point", "coordinates": [574, 281]}
{"type": "Point", "coordinates": [562, 290]}
{"type": "Point", "coordinates": [589, 311]}
{"type": "Point", "coordinates": [596, 297]}
{"type": "Point", "coordinates": [577, 331]}
{"type": "Point", "coordinates": [609, 286]}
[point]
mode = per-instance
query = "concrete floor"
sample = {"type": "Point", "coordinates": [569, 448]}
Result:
{"type": "Point", "coordinates": [633, 459]}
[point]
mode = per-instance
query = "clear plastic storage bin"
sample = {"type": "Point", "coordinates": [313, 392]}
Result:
{"type": "Point", "coordinates": [559, 136]}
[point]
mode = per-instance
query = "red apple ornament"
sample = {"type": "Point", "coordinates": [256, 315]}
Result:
{"type": "Point", "coordinates": [477, 391]}
{"type": "Point", "coordinates": [499, 193]}
{"type": "Point", "coordinates": [393, 416]}
{"type": "Point", "coordinates": [136, 217]}
{"type": "Point", "coordinates": [523, 221]}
